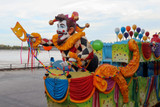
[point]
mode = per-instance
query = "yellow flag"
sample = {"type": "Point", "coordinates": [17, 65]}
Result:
{"type": "Point", "coordinates": [19, 32]}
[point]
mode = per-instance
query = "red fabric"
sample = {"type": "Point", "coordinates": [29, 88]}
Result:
{"type": "Point", "coordinates": [116, 95]}
{"type": "Point", "coordinates": [45, 40]}
{"type": "Point", "coordinates": [150, 89]}
{"type": "Point", "coordinates": [81, 88]}
{"type": "Point", "coordinates": [21, 52]}
{"type": "Point", "coordinates": [96, 99]}
{"type": "Point", "coordinates": [31, 62]}
{"type": "Point", "coordinates": [146, 50]}
{"type": "Point", "coordinates": [63, 59]}
{"type": "Point", "coordinates": [155, 38]}
{"type": "Point", "coordinates": [90, 56]}
{"type": "Point", "coordinates": [73, 49]}
{"type": "Point", "coordinates": [28, 56]}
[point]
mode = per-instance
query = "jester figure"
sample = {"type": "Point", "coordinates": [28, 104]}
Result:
{"type": "Point", "coordinates": [72, 43]}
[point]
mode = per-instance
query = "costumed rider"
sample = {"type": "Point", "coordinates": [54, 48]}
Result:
{"type": "Point", "coordinates": [72, 43]}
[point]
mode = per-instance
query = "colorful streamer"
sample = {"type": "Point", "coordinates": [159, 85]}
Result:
{"type": "Point", "coordinates": [21, 52]}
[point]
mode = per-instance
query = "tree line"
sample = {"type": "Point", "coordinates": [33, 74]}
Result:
{"type": "Point", "coordinates": [12, 47]}
{"type": "Point", "coordinates": [8, 47]}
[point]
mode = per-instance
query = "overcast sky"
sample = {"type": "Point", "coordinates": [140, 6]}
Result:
{"type": "Point", "coordinates": [102, 15]}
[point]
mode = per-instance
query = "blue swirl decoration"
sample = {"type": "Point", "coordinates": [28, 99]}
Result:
{"type": "Point", "coordinates": [57, 88]}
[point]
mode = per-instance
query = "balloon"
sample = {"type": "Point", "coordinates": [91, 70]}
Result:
{"type": "Point", "coordinates": [97, 45]}
{"type": "Point", "coordinates": [134, 27]}
{"type": "Point", "coordinates": [47, 48]}
{"type": "Point", "coordinates": [126, 35]}
{"type": "Point", "coordinates": [147, 33]}
{"type": "Point", "coordinates": [91, 42]}
{"type": "Point", "coordinates": [131, 33]}
{"type": "Point", "coordinates": [117, 30]}
{"type": "Point", "coordinates": [123, 29]}
{"type": "Point", "coordinates": [135, 34]}
{"type": "Point", "coordinates": [120, 36]}
{"type": "Point", "coordinates": [138, 29]}
{"type": "Point", "coordinates": [128, 28]}
{"type": "Point", "coordinates": [142, 31]}
{"type": "Point", "coordinates": [144, 38]}
{"type": "Point", "coordinates": [140, 36]}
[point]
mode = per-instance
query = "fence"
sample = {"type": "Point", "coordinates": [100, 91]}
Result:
{"type": "Point", "coordinates": [15, 66]}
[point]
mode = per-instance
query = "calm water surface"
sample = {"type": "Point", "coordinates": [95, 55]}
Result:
{"type": "Point", "coordinates": [13, 56]}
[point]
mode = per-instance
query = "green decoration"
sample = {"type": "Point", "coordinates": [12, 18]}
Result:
{"type": "Point", "coordinates": [135, 34]}
{"type": "Point", "coordinates": [97, 45]}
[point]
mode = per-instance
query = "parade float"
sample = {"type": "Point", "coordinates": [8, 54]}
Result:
{"type": "Point", "coordinates": [96, 74]}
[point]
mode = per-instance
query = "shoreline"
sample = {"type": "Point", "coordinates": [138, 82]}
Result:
{"type": "Point", "coordinates": [19, 69]}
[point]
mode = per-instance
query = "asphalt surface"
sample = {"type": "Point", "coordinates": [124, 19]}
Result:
{"type": "Point", "coordinates": [22, 88]}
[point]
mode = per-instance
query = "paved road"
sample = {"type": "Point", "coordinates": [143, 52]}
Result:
{"type": "Point", "coordinates": [22, 88]}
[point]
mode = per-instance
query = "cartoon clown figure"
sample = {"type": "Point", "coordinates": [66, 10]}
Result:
{"type": "Point", "coordinates": [72, 43]}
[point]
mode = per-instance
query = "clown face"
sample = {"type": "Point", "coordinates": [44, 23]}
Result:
{"type": "Point", "coordinates": [62, 31]}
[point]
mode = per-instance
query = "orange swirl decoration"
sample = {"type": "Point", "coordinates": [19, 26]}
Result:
{"type": "Point", "coordinates": [118, 74]}
{"type": "Point", "coordinates": [104, 71]}
{"type": "Point", "coordinates": [37, 38]}
{"type": "Point", "coordinates": [110, 71]}
{"type": "Point", "coordinates": [131, 68]}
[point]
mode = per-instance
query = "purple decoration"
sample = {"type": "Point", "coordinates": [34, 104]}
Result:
{"type": "Point", "coordinates": [157, 50]}
{"type": "Point", "coordinates": [116, 95]}
{"type": "Point", "coordinates": [110, 83]}
{"type": "Point", "coordinates": [138, 29]}
{"type": "Point", "coordinates": [126, 35]}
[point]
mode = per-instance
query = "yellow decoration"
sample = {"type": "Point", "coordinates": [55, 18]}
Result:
{"type": "Point", "coordinates": [144, 38]}
{"type": "Point", "coordinates": [74, 55]}
{"type": "Point", "coordinates": [19, 32]}
{"type": "Point", "coordinates": [70, 41]}
{"type": "Point", "coordinates": [120, 36]}
{"type": "Point", "coordinates": [78, 29]}
{"type": "Point", "coordinates": [134, 27]}
{"type": "Point", "coordinates": [99, 54]}
{"type": "Point", "coordinates": [107, 71]}
{"type": "Point", "coordinates": [100, 84]}
{"type": "Point", "coordinates": [37, 37]}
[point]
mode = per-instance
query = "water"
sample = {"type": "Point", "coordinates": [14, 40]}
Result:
{"type": "Point", "coordinates": [13, 56]}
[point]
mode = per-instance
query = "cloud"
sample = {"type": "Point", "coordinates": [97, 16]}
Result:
{"type": "Point", "coordinates": [103, 15]}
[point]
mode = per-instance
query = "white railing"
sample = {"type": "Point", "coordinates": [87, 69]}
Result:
{"type": "Point", "coordinates": [15, 66]}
